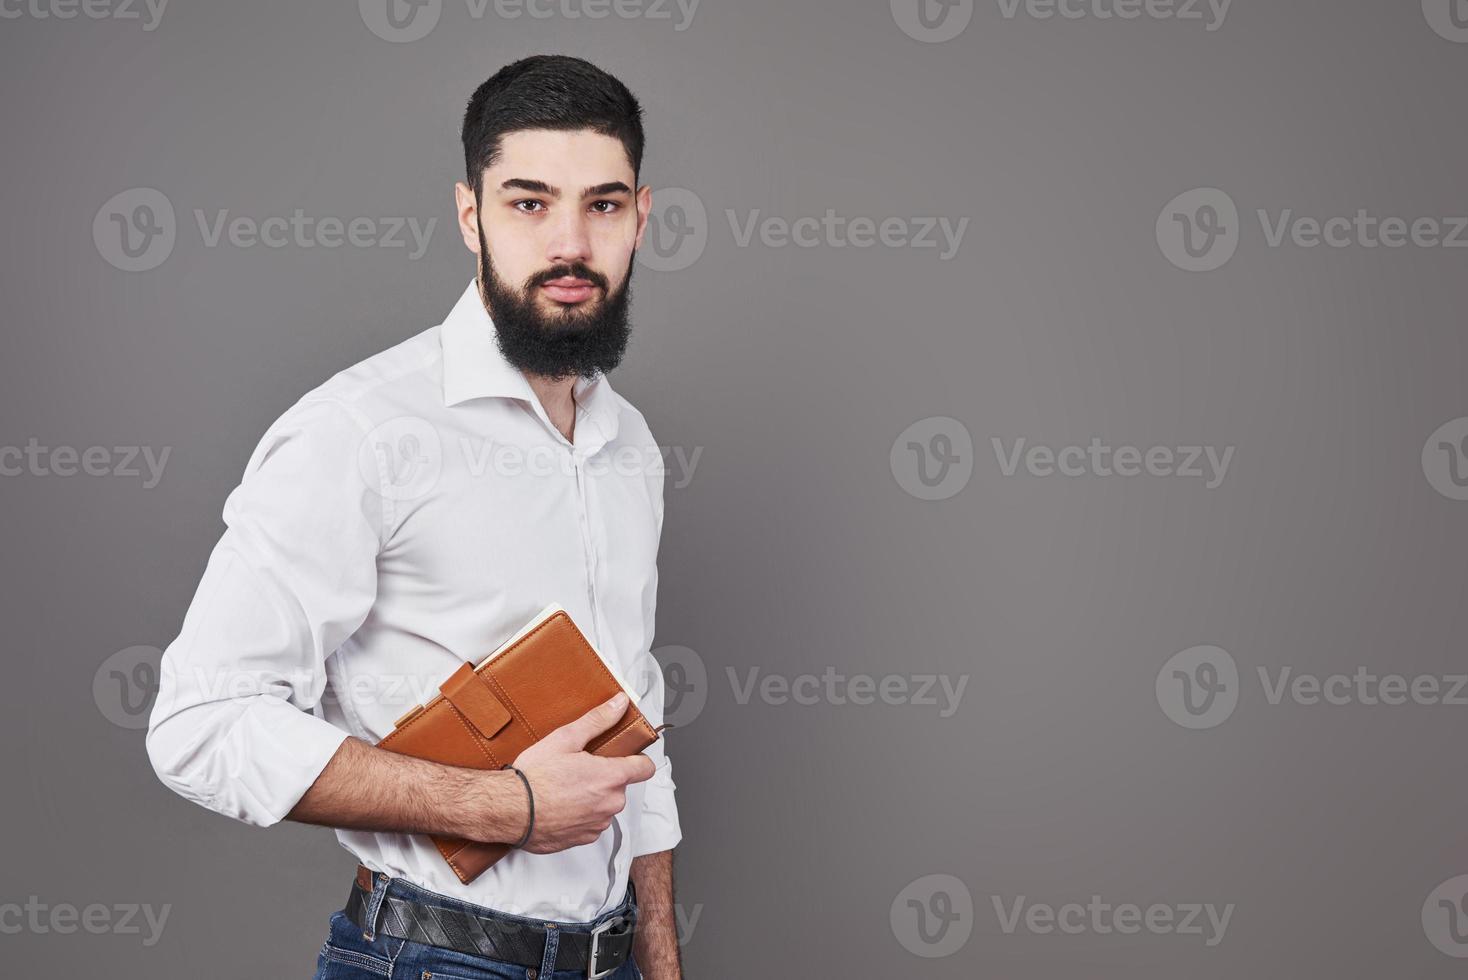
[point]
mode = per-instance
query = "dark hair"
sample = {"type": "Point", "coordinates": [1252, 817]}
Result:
{"type": "Point", "coordinates": [548, 91]}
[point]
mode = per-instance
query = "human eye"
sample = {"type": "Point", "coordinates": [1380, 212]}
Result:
{"type": "Point", "coordinates": [522, 206]}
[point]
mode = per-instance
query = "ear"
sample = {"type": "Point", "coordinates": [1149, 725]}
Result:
{"type": "Point", "coordinates": [644, 211]}
{"type": "Point", "coordinates": [468, 213]}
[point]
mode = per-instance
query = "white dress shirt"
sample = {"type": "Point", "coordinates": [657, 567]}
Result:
{"type": "Point", "coordinates": [408, 515]}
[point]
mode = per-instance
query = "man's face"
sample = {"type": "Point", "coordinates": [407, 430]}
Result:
{"type": "Point", "coordinates": [556, 228]}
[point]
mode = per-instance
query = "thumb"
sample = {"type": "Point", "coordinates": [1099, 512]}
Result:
{"type": "Point", "coordinates": [574, 735]}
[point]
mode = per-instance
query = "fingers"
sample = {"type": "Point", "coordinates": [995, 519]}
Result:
{"type": "Point", "coordinates": [637, 768]}
{"type": "Point", "coordinates": [574, 735]}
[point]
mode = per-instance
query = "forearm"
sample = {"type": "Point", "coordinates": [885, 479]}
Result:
{"type": "Point", "coordinates": [367, 788]}
{"type": "Point", "coordinates": [656, 945]}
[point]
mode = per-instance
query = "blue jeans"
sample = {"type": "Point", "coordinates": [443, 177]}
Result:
{"type": "Point", "coordinates": [347, 955]}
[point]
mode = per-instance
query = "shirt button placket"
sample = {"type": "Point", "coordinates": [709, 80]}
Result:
{"type": "Point", "coordinates": [588, 547]}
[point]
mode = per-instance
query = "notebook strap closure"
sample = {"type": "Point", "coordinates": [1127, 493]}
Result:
{"type": "Point", "coordinates": [472, 696]}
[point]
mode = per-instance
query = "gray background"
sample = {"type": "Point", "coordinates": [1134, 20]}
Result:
{"type": "Point", "coordinates": [795, 548]}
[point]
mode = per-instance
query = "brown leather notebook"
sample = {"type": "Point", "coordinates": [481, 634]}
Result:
{"type": "Point", "coordinates": [484, 716]}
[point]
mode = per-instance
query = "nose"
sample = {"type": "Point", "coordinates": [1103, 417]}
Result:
{"type": "Point", "coordinates": [570, 240]}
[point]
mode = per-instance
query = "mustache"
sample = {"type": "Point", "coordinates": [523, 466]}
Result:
{"type": "Point", "coordinates": [575, 270]}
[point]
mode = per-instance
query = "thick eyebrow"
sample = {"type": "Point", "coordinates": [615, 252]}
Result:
{"type": "Point", "coordinates": [541, 187]}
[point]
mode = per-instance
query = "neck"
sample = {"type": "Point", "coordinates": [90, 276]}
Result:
{"type": "Point", "coordinates": [556, 398]}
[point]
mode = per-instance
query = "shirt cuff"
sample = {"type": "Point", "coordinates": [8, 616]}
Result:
{"type": "Point", "coordinates": [658, 829]}
{"type": "Point", "coordinates": [279, 751]}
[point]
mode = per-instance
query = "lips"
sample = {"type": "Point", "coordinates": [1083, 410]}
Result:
{"type": "Point", "coordinates": [569, 289]}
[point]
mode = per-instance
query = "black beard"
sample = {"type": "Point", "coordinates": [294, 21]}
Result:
{"type": "Point", "coordinates": [561, 344]}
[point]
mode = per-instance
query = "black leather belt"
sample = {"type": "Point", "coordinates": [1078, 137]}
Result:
{"type": "Point", "coordinates": [599, 951]}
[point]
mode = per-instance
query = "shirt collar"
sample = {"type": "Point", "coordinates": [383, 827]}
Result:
{"type": "Point", "coordinates": [474, 367]}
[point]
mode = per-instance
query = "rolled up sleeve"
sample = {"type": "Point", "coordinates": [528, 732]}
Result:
{"type": "Point", "coordinates": [657, 827]}
{"type": "Point", "coordinates": [236, 726]}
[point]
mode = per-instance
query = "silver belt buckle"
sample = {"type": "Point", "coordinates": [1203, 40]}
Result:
{"type": "Point", "coordinates": [596, 935]}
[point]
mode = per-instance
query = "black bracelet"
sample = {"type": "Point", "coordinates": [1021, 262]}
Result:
{"type": "Point", "coordinates": [531, 796]}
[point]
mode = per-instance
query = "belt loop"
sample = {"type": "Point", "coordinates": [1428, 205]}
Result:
{"type": "Point", "coordinates": [552, 946]}
{"type": "Point", "coordinates": [380, 882]}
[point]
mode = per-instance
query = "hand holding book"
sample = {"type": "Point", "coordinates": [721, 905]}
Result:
{"type": "Point", "coordinates": [577, 794]}
{"type": "Point", "coordinates": [545, 683]}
